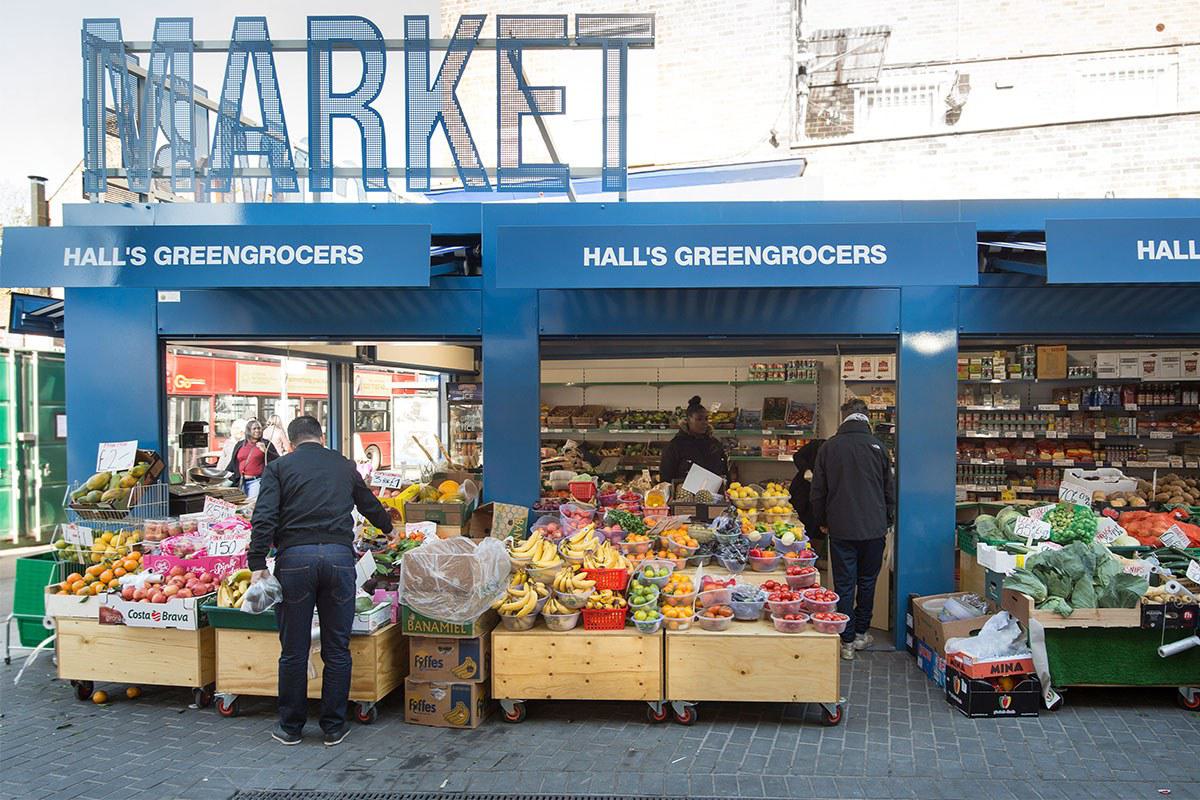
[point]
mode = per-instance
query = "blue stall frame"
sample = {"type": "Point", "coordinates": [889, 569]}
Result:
{"type": "Point", "coordinates": [115, 352]}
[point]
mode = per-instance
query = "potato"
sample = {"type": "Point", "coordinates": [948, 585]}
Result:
{"type": "Point", "coordinates": [1121, 502]}
{"type": "Point", "coordinates": [1162, 497]}
{"type": "Point", "coordinates": [1175, 500]}
{"type": "Point", "coordinates": [1099, 496]}
{"type": "Point", "coordinates": [1192, 482]}
{"type": "Point", "coordinates": [1137, 502]}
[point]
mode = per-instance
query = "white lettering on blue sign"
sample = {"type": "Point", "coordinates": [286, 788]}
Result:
{"type": "Point", "coordinates": [1168, 250]}
{"type": "Point", "coordinates": [213, 255]}
{"type": "Point", "coordinates": [770, 255]}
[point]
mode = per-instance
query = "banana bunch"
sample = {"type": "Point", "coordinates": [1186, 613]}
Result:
{"type": "Point", "coordinates": [466, 670]}
{"type": "Point", "coordinates": [555, 607]}
{"type": "Point", "coordinates": [520, 601]}
{"type": "Point", "coordinates": [520, 578]}
{"type": "Point", "coordinates": [606, 599]}
{"type": "Point", "coordinates": [541, 552]}
{"type": "Point", "coordinates": [578, 546]}
{"type": "Point", "coordinates": [232, 590]}
{"type": "Point", "coordinates": [570, 581]}
{"type": "Point", "coordinates": [605, 557]}
{"type": "Point", "coordinates": [459, 715]}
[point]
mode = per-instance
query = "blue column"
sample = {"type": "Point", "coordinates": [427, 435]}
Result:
{"type": "Point", "coordinates": [927, 398]}
{"type": "Point", "coordinates": [114, 373]}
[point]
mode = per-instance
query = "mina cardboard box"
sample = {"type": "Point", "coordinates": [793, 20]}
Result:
{"type": "Point", "coordinates": [445, 705]}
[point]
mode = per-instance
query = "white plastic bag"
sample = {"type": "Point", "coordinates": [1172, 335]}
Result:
{"type": "Point", "coordinates": [262, 595]}
{"type": "Point", "coordinates": [454, 580]}
{"type": "Point", "coordinates": [1000, 637]}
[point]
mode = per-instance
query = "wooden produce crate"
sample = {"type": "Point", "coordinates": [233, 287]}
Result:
{"type": "Point", "coordinates": [541, 664]}
{"type": "Point", "coordinates": [1021, 607]}
{"type": "Point", "coordinates": [751, 661]}
{"type": "Point", "coordinates": [247, 664]}
{"type": "Point", "coordinates": [90, 652]}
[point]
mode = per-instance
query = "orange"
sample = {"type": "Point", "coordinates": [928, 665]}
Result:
{"type": "Point", "coordinates": [133, 692]}
{"type": "Point", "coordinates": [96, 587]}
{"type": "Point", "coordinates": [89, 579]}
{"type": "Point", "coordinates": [105, 576]}
{"type": "Point", "coordinates": [130, 564]}
{"type": "Point", "coordinates": [114, 584]}
{"type": "Point", "coordinates": [93, 570]}
{"type": "Point", "coordinates": [74, 576]}
{"type": "Point", "coordinates": [118, 572]}
{"type": "Point", "coordinates": [99, 698]}
{"type": "Point", "coordinates": [82, 590]}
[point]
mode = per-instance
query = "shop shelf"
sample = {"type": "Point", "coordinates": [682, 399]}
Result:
{"type": "Point", "coordinates": [672, 431]}
{"type": "Point", "coordinates": [1052, 407]}
{"type": "Point", "coordinates": [585, 384]}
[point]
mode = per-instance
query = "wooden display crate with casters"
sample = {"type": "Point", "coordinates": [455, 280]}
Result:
{"type": "Point", "coordinates": [89, 652]}
{"type": "Point", "coordinates": [247, 665]}
{"type": "Point", "coordinates": [541, 664]}
{"type": "Point", "coordinates": [751, 661]}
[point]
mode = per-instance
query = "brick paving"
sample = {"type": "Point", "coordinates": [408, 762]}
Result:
{"type": "Point", "coordinates": [899, 740]}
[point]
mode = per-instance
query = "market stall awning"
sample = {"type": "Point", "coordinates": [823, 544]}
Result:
{"type": "Point", "coordinates": [35, 315]}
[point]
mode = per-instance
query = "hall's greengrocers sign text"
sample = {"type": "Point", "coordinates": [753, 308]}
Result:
{"type": "Point", "coordinates": [1162, 250]}
{"type": "Point", "coordinates": [164, 101]}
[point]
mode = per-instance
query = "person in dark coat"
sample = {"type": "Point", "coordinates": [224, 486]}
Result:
{"type": "Point", "coordinates": [853, 499]}
{"type": "Point", "coordinates": [805, 460]}
{"type": "Point", "coordinates": [694, 444]}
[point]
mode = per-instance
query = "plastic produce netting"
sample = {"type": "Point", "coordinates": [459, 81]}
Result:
{"type": "Point", "coordinates": [454, 580]}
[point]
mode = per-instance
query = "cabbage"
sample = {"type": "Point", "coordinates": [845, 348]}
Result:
{"type": "Point", "coordinates": [986, 527]}
{"type": "Point", "coordinates": [1125, 540]}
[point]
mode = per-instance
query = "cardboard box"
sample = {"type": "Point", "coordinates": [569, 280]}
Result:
{"type": "Point", "coordinates": [452, 660]}
{"type": "Point", "coordinates": [372, 620]}
{"type": "Point", "coordinates": [442, 513]}
{"type": "Point", "coordinates": [1052, 361]}
{"type": "Point", "coordinates": [990, 668]}
{"type": "Point", "coordinates": [980, 698]}
{"type": "Point", "coordinates": [69, 605]}
{"type": "Point", "coordinates": [1108, 365]}
{"type": "Point", "coordinates": [183, 614]}
{"type": "Point", "coordinates": [849, 368]}
{"type": "Point", "coordinates": [445, 705]}
{"type": "Point", "coordinates": [499, 520]}
{"type": "Point", "coordinates": [1170, 365]}
{"type": "Point", "coordinates": [1130, 365]}
{"type": "Point", "coordinates": [414, 623]}
{"type": "Point", "coordinates": [933, 631]}
{"type": "Point", "coordinates": [885, 368]}
{"type": "Point", "coordinates": [1189, 365]}
{"type": "Point", "coordinates": [932, 663]}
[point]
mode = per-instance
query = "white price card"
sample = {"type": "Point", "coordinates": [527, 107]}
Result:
{"type": "Point", "coordinates": [77, 534]}
{"type": "Point", "coordinates": [1107, 530]}
{"type": "Point", "coordinates": [1099, 435]}
{"type": "Point", "coordinates": [364, 569]}
{"type": "Point", "coordinates": [1193, 571]}
{"type": "Point", "coordinates": [1174, 537]}
{"type": "Point", "coordinates": [1140, 568]}
{"type": "Point", "coordinates": [1041, 511]}
{"type": "Point", "coordinates": [1162, 435]}
{"type": "Point", "coordinates": [116, 456]}
{"type": "Point", "coordinates": [1071, 494]}
{"type": "Point", "coordinates": [387, 480]}
{"type": "Point", "coordinates": [1047, 407]}
{"type": "Point", "coordinates": [217, 509]}
{"type": "Point", "coordinates": [1028, 435]}
{"type": "Point", "coordinates": [976, 460]}
{"type": "Point", "coordinates": [1021, 462]}
{"type": "Point", "coordinates": [1072, 406]}
{"type": "Point", "coordinates": [1031, 530]}
{"type": "Point", "coordinates": [1131, 406]}
{"type": "Point", "coordinates": [1063, 462]}
{"type": "Point", "coordinates": [225, 546]}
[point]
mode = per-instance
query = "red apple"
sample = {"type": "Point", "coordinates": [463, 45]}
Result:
{"type": "Point", "coordinates": [176, 571]}
{"type": "Point", "coordinates": [127, 592]}
{"type": "Point", "coordinates": [207, 577]}
{"type": "Point", "coordinates": [139, 594]}
{"type": "Point", "coordinates": [189, 576]}
{"type": "Point", "coordinates": [182, 593]}
{"type": "Point", "coordinates": [158, 597]}
{"type": "Point", "coordinates": [171, 590]}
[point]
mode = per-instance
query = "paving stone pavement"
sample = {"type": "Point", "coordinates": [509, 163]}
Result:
{"type": "Point", "coordinates": [899, 740]}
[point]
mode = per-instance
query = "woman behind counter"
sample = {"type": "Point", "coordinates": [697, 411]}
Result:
{"type": "Point", "coordinates": [694, 444]}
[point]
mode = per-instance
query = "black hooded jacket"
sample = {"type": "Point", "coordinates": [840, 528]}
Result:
{"type": "Point", "coordinates": [805, 460]}
{"type": "Point", "coordinates": [854, 486]}
{"type": "Point", "coordinates": [686, 449]}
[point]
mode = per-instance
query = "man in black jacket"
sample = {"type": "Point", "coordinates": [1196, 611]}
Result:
{"type": "Point", "coordinates": [304, 510]}
{"type": "Point", "coordinates": [854, 500]}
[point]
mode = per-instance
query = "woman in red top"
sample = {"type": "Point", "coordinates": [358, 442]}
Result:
{"type": "Point", "coordinates": [250, 457]}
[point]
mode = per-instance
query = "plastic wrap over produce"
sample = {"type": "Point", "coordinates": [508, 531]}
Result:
{"type": "Point", "coordinates": [454, 580]}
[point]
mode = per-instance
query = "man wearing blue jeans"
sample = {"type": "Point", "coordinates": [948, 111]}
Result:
{"type": "Point", "coordinates": [853, 499]}
{"type": "Point", "coordinates": [304, 510]}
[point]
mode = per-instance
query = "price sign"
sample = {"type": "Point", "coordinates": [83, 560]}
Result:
{"type": "Point", "coordinates": [1063, 462]}
{"type": "Point", "coordinates": [364, 569]}
{"type": "Point", "coordinates": [225, 546]}
{"type": "Point", "coordinates": [1139, 568]}
{"type": "Point", "coordinates": [1107, 530]}
{"type": "Point", "coordinates": [217, 509]}
{"type": "Point", "coordinates": [1021, 462]}
{"type": "Point", "coordinates": [1051, 546]}
{"type": "Point", "coordinates": [387, 480]}
{"type": "Point", "coordinates": [1072, 494]}
{"type": "Point", "coordinates": [1028, 435]}
{"type": "Point", "coordinates": [1041, 511]}
{"type": "Point", "coordinates": [116, 456]}
{"type": "Point", "coordinates": [1095, 408]}
{"type": "Point", "coordinates": [77, 534]}
{"type": "Point", "coordinates": [976, 460]}
{"type": "Point", "coordinates": [1072, 406]}
{"type": "Point", "coordinates": [1031, 530]}
{"type": "Point", "coordinates": [969, 433]}
{"type": "Point", "coordinates": [1131, 406]}
{"type": "Point", "coordinates": [1047, 407]}
{"type": "Point", "coordinates": [1162, 435]}
{"type": "Point", "coordinates": [1099, 435]}
{"type": "Point", "coordinates": [1116, 463]}
{"type": "Point", "coordinates": [1174, 537]}
{"type": "Point", "coordinates": [1193, 571]}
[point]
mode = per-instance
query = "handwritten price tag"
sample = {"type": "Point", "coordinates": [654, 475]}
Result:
{"type": "Point", "coordinates": [226, 546]}
{"type": "Point", "coordinates": [1032, 530]}
{"type": "Point", "coordinates": [387, 480]}
{"type": "Point", "coordinates": [1072, 494]}
{"type": "Point", "coordinates": [217, 509]}
{"type": "Point", "coordinates": [1040, 512]}
{"type": "Point", "coordinates": [1174, 537]}
{"type": "Point", "coordinates": [364, 569]}
{"type": "Point", "coordinates": [1107, 530]}
{"type": "Point", "coordinates": [77, 534]}
{"type": "Point", "coordinates": [116, 456]}
{"type": "Point", "coordinates": [1193, 571]}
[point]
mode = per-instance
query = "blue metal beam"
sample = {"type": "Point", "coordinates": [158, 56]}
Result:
{"type": "Point", "coordinates": [1079, 310]}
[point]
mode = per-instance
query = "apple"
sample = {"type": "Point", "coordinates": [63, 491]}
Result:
{"type": "Point", "coordinates": [158, 597]}
{"type": "Point", "coordinates": [139, 594]}
{"type": "Point", "coordinates": [189, 576]}
{"type": "Point", "coordinates": [788, 538]}
{"type": "Point", "coordinates": [184, 593]}
{"type": "Point", "coordinates": [127, 592]}
{"type": "Point", "coordinates": [207, 577]}
{"type": "Point", "coordinates": [176, 571]}
{"type": "Point", "coordinates": [171, 590]}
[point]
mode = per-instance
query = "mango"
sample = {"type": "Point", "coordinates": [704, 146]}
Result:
{"type": "Point", "coordinates": [98, 482]}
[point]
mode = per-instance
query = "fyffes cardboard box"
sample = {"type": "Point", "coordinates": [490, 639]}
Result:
{"type": "Point", "coordinates": [438, 659]}
{"type": "Point", "coordinates": [445, 705]}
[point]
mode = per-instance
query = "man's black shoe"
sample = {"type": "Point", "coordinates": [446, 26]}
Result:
{"type": "Point", "coordinates": [283, 737]}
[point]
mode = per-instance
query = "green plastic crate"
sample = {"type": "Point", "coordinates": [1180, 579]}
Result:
{"type": "Point", "coordinates": [32, 575]}
{"type": "Point", "coordinates": [236, 618]}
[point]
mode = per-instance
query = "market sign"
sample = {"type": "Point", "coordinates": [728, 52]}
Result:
{"type": "Point", "coordinates": [703, 256]}
{"type": "Point", "coordinates": [216, 256]}
{"type": "Point", "coordinates": [1123, 250]}
{"type": "Point", "coordinates": [166, 98]}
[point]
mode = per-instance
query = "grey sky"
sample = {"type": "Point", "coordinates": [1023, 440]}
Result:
{"type": "Point", "coordinates": [40, 67]}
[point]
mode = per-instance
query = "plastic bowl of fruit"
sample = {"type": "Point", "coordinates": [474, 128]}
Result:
{"type": "Point", "coordinates": [803, 558]}
{"type": "Point", "coordinates": [795, 546]}
{"type": "Point", "coordinates": [511, 622]}
{"type": "Point", "coordinates": [747, 602]}
{"type": "Point", "coordinates": [541, 603]}
{"type": "Point", "coordinates": [573, 557]}
{"type": "Point", "coordinates": [715, 595]}
{"type": "Point", "coordinates": [575, 600]}
{"type": "Point", "coordinates": [760, 539]}
{"type": "Point", "coordinates": [715, 618]}
{"type": "Point", "coordinates": [649, 621]}
{"type": "Point", "coordinates": [799, 577]}
{"type": "Point", "coordinates": [726, 538]}
{"type": "Point", "coordinates": [829, 622]}
{"type": "Point", "coordinates": [765, 561]}
{"type": "Point", "coordinates": [643, 595]}
{"type": "Point", "coordinates": [544, 574]}
{"type": "Point", "coordinates": [680, 548]}
{"type": "Point", "coordinates": [519, 562]}
{"type": "Point", "coordinates": [656, 571]}
{"type": "Point", "coordinates": [818, 599]}
{"type": "Point", "coordinates": [636, 543]}
{"type": "Point", "coordinates": [678, 618]}
{"type": "Point", "coordinates": [790, 623]}
{"type": "Point", "coordinates": [561, 622]}
{"type": "Point", "coordinates": [700, 560]}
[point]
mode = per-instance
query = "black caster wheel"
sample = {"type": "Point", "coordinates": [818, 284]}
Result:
{"type": "Point", "coordinates": [832, 718]}
{"type": "Point", "coordinates": [366, 715]}
{"type": "Point", "coordinates": [516, 715]}
{"type": "Point", "coordinates": [662, 715]}
{"type": "Point", "coordinates": [1190, 705]}
{"type": "Point", "coordinates": [229, 708]}
{"type": "Point", "coordinates": [83, 689]}
{"type": "Point", "coordinates": [202, 696]}
{"type": "Point", "coordinates": [687, 717]}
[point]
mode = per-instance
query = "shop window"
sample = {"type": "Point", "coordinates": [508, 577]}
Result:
{"type": "Point", "coordinates": [895, 110]}
{"type": "Point", "coordinates": [1128, 84]}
